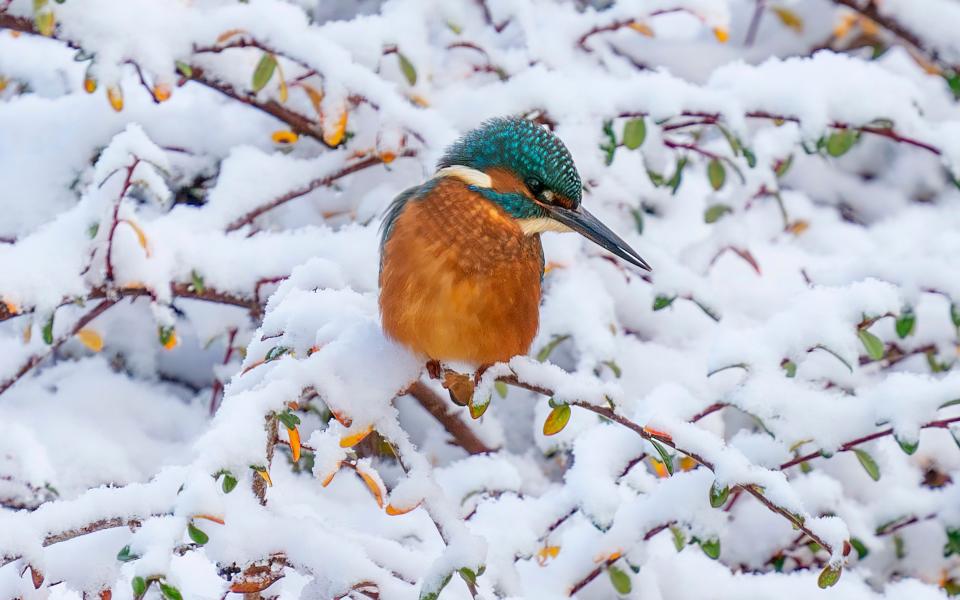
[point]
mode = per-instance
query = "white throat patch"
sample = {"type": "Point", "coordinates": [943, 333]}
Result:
{"type": "Point", "coordinates": [541, 224]}
{"type": "Point", "coordinates": [467, 175]}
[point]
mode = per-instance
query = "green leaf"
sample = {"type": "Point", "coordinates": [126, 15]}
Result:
{"type": "Point", "coordinates": [545, 352]}
{"type": "Point", "coordinates": [750, 156]}
{"type": "Point", "coordinates": [468, 576]}
{"type": "Point", "coordinates": [275, 353]}
{"type": "Point", "coordinates": [679, 540]}
{"type": "Point", "coordinates": [126, 555]}
{"type": "Point", "coordinates": [711, 548]}
{"type": "Point", "coordinates": [714, 212]}
{"type": "Point", "coordinates": [906, 322]}
{"type": "Point", "coordinates": [716, 174]}
{"type": "Point", "coordinates": [48, 331]}
{"type": "Point", "coordinates": [289, 420]}
{"type": "Point", "coordinates": [637, 219]}
{"type": "Point", "coordinates": [184, 69]}
{"type": "Point", "coordinates": [874, 347]}
{"type": "Point", "coordinates": [840, 142]}
{"type": "Point", "coordinates": [869, 465]}
{"type": "Point", "coordinates": [955, 314]}
{"type": "Point", "coordinates": [454, 27]}
{"type": "Point", "coordinates": [899, 548]}
{"type": "Point", "coordinates": [409, 71]}
{"type": "Point", "coordinates": [777, 562]}
{"type": "Point", "coordinates": [908, 446]}
{"type": "Point", "coordinates": [784, 165]}
{"type": "Point", "coordinates": [164, 332]}
{"type": "Point", "coordinates": [139, 585]}
{"type": "Point", "coordinates": [664, 455]}
{"type": "Point", "coordinates": [955, 434]}
{"type": "Point", "coordinates": [197, 281]}
{"type": "Point", "coordinates": [501, 388]}
{"type": "Point", "coordinates": [557, 419]}
{"type": "Point", "coordinates": [829, 576]}
{"type": "Point", "coordinates": [655, 178]}
{"type": "Point", "coordinates": [859, 546]}
{"type": "Point", "coordinates": [634, 132]}
{"type": "Point", "coordinates": [92, 230]}
{"type": "Point", "coordinates": [617, 371]}
{"type": "Point", "coordinates": [169, 592]}
{"type": "Point", "coordinates": [953, 543]}
{"type": "Point", "coordinates": [677, 178]}
{"type": "Point", "coordinates": [790, 367]}
{"type": "Point", "coordinates": [229, 482]}
{"type": "Point", "coordinates": [661, 302]}
{"type": "Point", "coordinates": [620, 580]}
{"type": "Point", "coordinates": [197, 535]}
{"type": "Point", "coordinates": [718, 495]}
{"type": "Point", "coordinates": [433, 592]}
{"type": "Point", "coordinates": [610, 146]}
{"type": "Point", "coordinates": [264, 71]}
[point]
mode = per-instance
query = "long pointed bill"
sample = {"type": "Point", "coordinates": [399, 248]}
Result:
{"type": "Point", "coordinates": [590, 227]}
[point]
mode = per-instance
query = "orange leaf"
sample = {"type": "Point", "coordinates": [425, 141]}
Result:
{"type": "Point", "coordinates": [36, 576]}
{"type": "Point", "coordinates": [419, 100]}
{"type": "Point", "coordinates": [353, 439]}
{"type": "Point", "coordinates": [326, 480]}
{"type": "Point", "coordinates": [252, 366]}
{"type": "Point", "coordinates": [162, 91]}
{"type": "Point", "coordinates": [374, 485]}
{"type": "Point", "coordinates": [394, 511]}
{"type": "Point", "coordinates": [294, 436]}
{"type": "Point", "coordinates": [687, 464]}
{"type": "Point", "coordinates": [721, 34]}
{"type": "Point", "coordinates": [141, 236]}
{"type": "Point", "coordinates": [11, 308]}
{"type": "Point", "coordinates": [343, 419]}
{"type": "Point", "coordinates": [641, 28]}
{"type": "Point", "coordinates": [27, 333]}
{"type": "Point", "coordinates": [115, 97]}
{"type": "Point", "coordinates": [660, 469]}
{"type": "Point", "coordinates": [215, 519]}
{"type": "Point", "coordinates": [388, 157]}
{"type": "Point", "coordinates": [265, 475]}
{"type": "Point", "coordinates": [798, 227]}
{"type": "Point", "coordinates": [608, 557]}
{"type": "Point", "coordinates": [91, 339]}
{"type": "Point", "coordinates": [89, 84]}
{"type": "Point", "coordinates": [333, 133]}
{"type": "Point", "coordinates": [845, 25]}
{"type": "Point", "coordinates": [226, 35]}
{"type": "Point", "coordinates": [657, 433]}
{"type": "Point", "coordinates": [106, 595]}
{"type": "Point", "coordinates": [172, 341]}
{"type": "Point", "coordinates": [546, 553]}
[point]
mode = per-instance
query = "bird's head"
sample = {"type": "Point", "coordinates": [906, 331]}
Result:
{"type": "Point", "coordinates": [528, 171]}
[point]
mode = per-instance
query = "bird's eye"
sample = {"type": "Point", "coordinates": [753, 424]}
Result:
{"type": "Point", "coordinates": [535, 186]}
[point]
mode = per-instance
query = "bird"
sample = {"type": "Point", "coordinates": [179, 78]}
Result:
{"type": "Point", "coordinates": [461, 261]}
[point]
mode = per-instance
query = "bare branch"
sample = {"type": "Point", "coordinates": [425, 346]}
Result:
{"type": "Point", "coordinates": [437, 406]}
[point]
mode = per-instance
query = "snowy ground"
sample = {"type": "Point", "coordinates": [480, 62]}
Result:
{"type": "Point", "coordinates": [191, 193]}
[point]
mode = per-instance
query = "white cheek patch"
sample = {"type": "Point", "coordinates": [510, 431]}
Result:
{"type": "Point", "coordinates": [467, 175]}
{"type": "Point", "coordinates": [541, 224]}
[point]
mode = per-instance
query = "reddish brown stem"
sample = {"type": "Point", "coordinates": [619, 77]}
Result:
{"type": "Point", "coordinates": [458, 430]}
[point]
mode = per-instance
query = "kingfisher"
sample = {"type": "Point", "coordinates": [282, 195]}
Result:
{"type": "Point", "coordinates": [461, 263]}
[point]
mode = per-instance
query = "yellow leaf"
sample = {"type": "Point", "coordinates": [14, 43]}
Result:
{"type": "Point", "coordinates": [315, 95]}
{"type": "Point", "coordinates": [355, 438]}
{"type": "Point", "coordinates": [10, 307]}
{"type": "Point", "coordinates": [91, 339]}
{"type": "Point", "coordinates": [641, 28]}
{"type": "Point", "coordinates": [798, 227]}
{"type": "Point", "coordinates": [419, 100]}
{"type": "Point", "coordinates": [845, 25]}
{"type": "Point", "coordinates": [213, 518]}
{"type": "Point", "coordinates": [265, 475]}
{"type": "Point", "coordinates": [89, 84]}
{"type": "Point", "coordinates": [284, 137]}
{"type": "Point", "coordinates": [3, 83]}
{"type": "Point", "coordinates": [226, 35]}
{"type": "Point", "coordinates": [294, 436]}
{"type": "Point", "coordinates": [869, 26]}
{"type": "Point", "coordinates": [162, 92]}
{"type": "Point", "coordinates": [660, 469]}
{"type": "Point", "coordinates": [546, 553]}
{"type": "Point", "coordinates": [557, 419]}
{"type": "Point", "coordinates": [115, 96]}
{"type": "Point", "coordinates": [374, 484]}
{"type": "Point", "coordinates": [687, 464]}
{"type": "Point", "coordinates": [45, 22]}
{"type": "Point", "coordinates": [27, 333]}
{"type": "Point", "coordinates": [608, 557]}
{"type": "Point", "coordinates": [394, 511]}
{"type": "Point", "coordinates": [721, 34]}
{"type": "Point", "coordinates": [333, 133]}
{"type": "Point", "coordinates": [788, 18]}
{"type": "Point", "coordinates": [141, 236]}
{"type": "Point", "coordinates": [284, 90]}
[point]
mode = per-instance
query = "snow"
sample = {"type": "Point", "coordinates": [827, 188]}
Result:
{"type": "Point", "coordinates": [748, 348]}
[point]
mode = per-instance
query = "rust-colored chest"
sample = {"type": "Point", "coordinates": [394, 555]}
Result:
{"type": "Point", "coordinates": [459, 280]}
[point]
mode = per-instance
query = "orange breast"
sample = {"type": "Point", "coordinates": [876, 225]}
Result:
{"type": "Point", "coordinates": [459, 280]}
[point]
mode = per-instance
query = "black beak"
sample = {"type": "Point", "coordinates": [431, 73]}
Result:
{"type": "Point", "coordinates": [587, 225]}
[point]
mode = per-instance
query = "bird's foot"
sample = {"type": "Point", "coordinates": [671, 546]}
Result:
{"type": "Point", "coordinates": [434, 369]}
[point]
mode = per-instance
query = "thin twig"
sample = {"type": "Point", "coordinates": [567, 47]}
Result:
{"type": "Point", "coordinates": [458, 430]}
